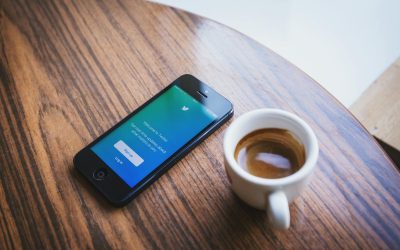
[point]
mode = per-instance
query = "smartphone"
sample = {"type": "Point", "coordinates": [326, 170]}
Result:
{"type": "Point", "coordinates": [139, 149]}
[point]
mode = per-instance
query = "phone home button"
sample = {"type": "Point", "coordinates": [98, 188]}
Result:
{"type": "Point", "coordinates": [100, 174]}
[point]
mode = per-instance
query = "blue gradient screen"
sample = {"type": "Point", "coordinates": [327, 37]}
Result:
{"type": "Point", "coordinates": [152, 135]}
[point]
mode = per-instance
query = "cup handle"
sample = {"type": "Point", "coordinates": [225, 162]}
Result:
{"type": "Point", "coordinates": [278, 210]}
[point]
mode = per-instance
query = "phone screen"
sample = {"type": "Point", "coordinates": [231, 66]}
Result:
{"type": "Point", "coordinates": [152, 135]}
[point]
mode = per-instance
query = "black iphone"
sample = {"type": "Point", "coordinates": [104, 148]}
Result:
{"type": "Point", "coordinates": [139, 149]}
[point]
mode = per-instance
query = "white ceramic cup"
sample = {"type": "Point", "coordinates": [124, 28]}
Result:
{"type": "Point", "coordinates": [272, 195]}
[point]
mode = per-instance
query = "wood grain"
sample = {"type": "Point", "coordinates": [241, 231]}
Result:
{"type": "Point", "coordinates": [72, 69]}
{"type": "Point", "coordinates": [378, 108]}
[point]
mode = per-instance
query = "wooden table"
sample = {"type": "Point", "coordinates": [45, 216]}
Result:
{"type": "Point", "coordinates": [72, 69]}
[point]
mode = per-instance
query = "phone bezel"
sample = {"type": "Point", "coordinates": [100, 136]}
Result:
{"type": "Point", "coordinates": [114, 187]}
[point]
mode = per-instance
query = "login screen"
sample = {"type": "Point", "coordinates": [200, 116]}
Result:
{"type": "Point", "coordinates": [152, 135]}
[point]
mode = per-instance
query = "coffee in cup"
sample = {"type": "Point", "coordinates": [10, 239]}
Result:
{"type": "Point", "coordinates": [270, 153]}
